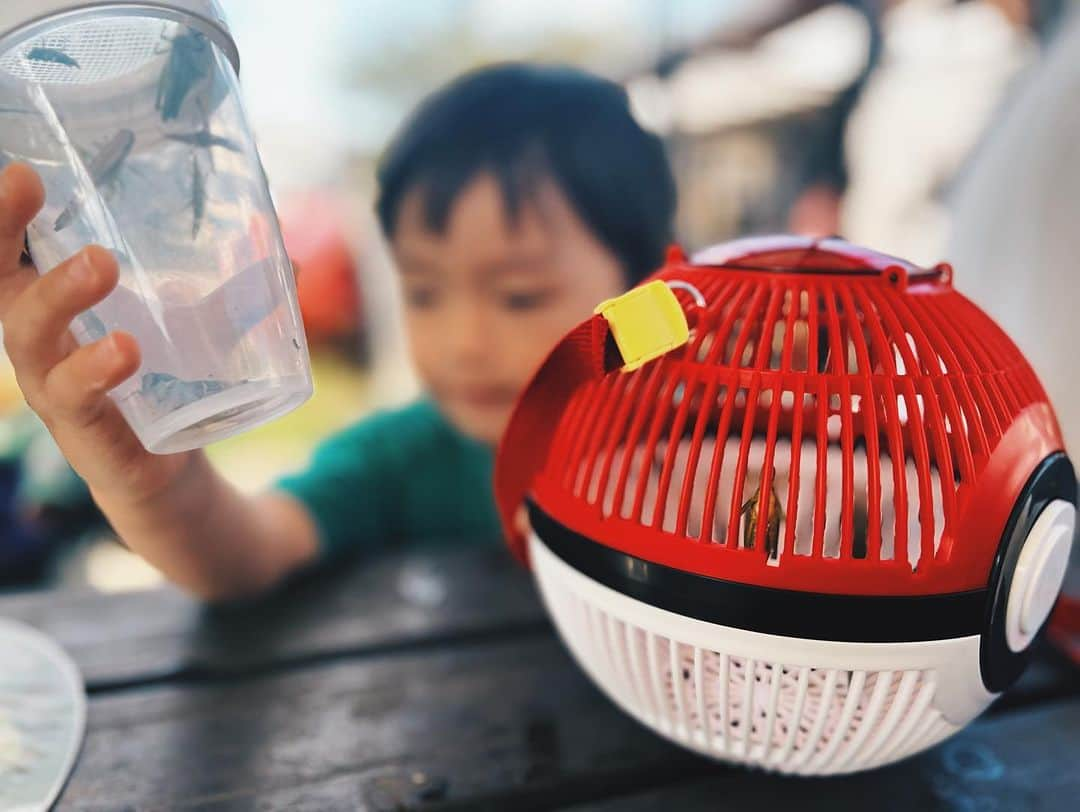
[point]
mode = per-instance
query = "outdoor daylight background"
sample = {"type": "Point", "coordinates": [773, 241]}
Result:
{"type": "Point", "coordinates": [859, 118]}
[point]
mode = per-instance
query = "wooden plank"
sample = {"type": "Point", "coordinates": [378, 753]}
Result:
{"type": "Point", "coordinates": [390, 604]}
{"type": "Point", "coordinates": [507, 725]}
{"type": "Point", "coordinates": [514, 725]}
{"type": "Point", "coordinates": [399, 602]}
{"type": "Point", "coordinates": [1025, 759]}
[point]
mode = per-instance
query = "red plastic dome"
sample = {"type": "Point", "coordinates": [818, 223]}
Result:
{"type": "Point", "coordinates": [894, 421]}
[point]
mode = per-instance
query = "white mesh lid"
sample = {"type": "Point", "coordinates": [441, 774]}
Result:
{"type": "Point", "coordinates": [101, 51]}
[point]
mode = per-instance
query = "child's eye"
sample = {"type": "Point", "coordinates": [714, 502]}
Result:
{"type": "Point", "coordinates": [524, 300]}
{"type": "Point", "coordinates": [421, 297]}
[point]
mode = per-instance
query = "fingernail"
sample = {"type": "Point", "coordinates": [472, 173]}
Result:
{"type": "Point", "coordinates": [105, 348]}
{"type": "Point", "coordinates": [82, 269]}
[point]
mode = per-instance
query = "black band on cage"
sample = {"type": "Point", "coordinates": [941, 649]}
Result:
{"type": "Point", "coordinates": [790, 613]}
{"type": "Point", "coordinates": [1053, 479]}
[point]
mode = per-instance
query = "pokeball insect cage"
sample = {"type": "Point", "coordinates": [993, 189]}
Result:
{"type": "Point", "coordinates": [794, 503]}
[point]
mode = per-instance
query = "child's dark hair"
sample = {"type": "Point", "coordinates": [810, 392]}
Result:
{"type": "Point", "coordinates": [527, 123]}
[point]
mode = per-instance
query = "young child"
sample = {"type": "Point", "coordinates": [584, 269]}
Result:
{"type": "Point", "coordinates": [514, 200]}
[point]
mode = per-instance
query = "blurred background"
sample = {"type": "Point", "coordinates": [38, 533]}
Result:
{"type": "Point", "coordinates": [860, 118]}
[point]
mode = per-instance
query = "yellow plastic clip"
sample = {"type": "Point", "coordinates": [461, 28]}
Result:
{"type": "Point", "coordinates": [647, 322]}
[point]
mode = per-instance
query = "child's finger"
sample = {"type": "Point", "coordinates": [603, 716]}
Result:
{"type": "Point", "coordinates": [14, 279]}
{"type": "Point", "coordinates": [21, 197]}
{"type": "Point", "coordinates": [75, 389]}
{"type": "Point", "coordinates": [521, 522]}
{"type": "Point", "coordinates": [40, 316]}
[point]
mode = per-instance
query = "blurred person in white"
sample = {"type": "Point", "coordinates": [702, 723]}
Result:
{"type": "Point", "coordinates": [944, 69]}
{"type": "Point", "coordinates": [1015, 241]}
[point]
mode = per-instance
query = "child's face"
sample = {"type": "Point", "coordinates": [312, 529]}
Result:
{"type": "Point", "coordinates": [488, 298]}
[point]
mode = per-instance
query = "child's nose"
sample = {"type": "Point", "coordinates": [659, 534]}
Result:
{"type": "Point", "coordinates": [469, 337]}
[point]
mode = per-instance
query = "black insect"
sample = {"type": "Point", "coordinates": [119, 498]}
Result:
{"type": "Point", "coordinates": [206, 140]}
{"type": "Point", "coordinates": [198, 196]}
{"type": "Point", "coordinates": [189, 62]}
{"type": "Point", "coordinates": [103, 168]}
{"type": "Point", "coordinates": [171, 393]}
{"type": "Point", "coordinates": [54, 55]}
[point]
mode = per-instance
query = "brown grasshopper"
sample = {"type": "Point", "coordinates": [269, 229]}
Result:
{"type": "Point", "coordinates": [772, 517]}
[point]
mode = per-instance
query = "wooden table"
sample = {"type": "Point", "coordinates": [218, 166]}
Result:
{"type": "Point", "coordinates": [437, 682]}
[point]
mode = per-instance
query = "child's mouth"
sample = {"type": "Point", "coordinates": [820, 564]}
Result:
{"type": "Point", "coordinates": [486, 397]}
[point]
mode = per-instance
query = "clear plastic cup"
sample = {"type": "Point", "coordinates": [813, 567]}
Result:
{"type": "Point", "coordinates": [132, 117]}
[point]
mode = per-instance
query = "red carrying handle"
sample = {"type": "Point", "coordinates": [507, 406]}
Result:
{"type": "Point", "coordinates": [627, 332]}
{"type": "Point", "coordinates": [584, 355]}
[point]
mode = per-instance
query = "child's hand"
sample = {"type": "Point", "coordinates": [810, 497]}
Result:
{"type": "Point", "coordinates": [67, 385]}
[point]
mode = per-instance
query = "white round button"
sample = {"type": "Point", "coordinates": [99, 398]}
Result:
{"type": "Point", "coordinates": [1039, 573]}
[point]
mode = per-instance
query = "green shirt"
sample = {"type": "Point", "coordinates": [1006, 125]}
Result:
{"type": "Point", "coordinates": [399, 477]}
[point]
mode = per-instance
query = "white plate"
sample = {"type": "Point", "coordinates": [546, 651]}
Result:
{"type": "Point", "coordinates": [42, 718]}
